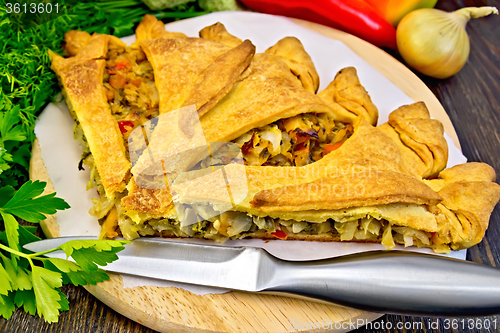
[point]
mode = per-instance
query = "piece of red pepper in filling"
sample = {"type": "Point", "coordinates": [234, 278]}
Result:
{"type": "Point", "coordinates": [123, 124]}
{"type": "Point", "coordinates": [353, 16]}
{"type": "Point", "coordinates": [279, 234]}
{"type": "Point", "coordinates": [121, 65]}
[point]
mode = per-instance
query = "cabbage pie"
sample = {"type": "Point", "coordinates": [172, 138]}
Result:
{"type": "Point", "coordinates": [312, 165]}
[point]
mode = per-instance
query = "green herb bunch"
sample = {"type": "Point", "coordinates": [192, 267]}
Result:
{"type": "Point", "coordinates": [29, 279]}
{"type": "Point", "coordinates": [27, 85]}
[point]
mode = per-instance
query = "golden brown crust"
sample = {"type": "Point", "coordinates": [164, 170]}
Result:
{"type": "Point", "coordinates": [351, 190]}
{"type": "Point", "coordinates": [75, 40]}
{"type": "Point", "coordinates": [146, 200]}
{"type": "Point", "coordinates": [218, 33]}
{"type": "Point", "coordinates": [469, 198]}
{"type": "Point", "coordinates": [151, 28]}
{"type": "Point", "coordinates": [360, 155]}
{"type": "Point", "coordinates": [348, 98]}
{"type": "Point", "coordinates": [471, 172]}
{"type": "Point", "coordinates": [218, 79]}
{"type": "Point", "coordinates": [419, 138]}
{"type": "Point", "coordinates": [81, 78]}
{"type": "Point", "coordinates": [171, 149]}
{"type": "Point", "coordinates": [291, 51]}
{"type": "Point", "coordinates": [212, 189]}
{"type": "Point", "coordinates": [472, 204]}
{"type": "Point", "coordinates": [281, 95]}
{"type": "Point", "coordinates": [177, 64]}
{"type": "Point", "coordinates": [189, 71]}
{"type": "Point", "coordinates": [96, 48]}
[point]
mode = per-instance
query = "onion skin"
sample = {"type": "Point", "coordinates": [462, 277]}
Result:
{"type": "Point", "coordinates": [435, 42]}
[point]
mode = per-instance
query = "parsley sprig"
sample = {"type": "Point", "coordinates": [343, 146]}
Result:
{"type": "Point", "coordinates": [30, 280]}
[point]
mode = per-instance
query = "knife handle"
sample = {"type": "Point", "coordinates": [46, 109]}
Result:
{"type": "Point", "coordinates": [395, 282]}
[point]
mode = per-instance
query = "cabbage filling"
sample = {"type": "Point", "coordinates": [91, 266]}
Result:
{"type": "Point", "coordinates": [238, 225]}
{"type": "Point", "coordinates": [129, 88]}
{"type": "Point", "coordinates": [228, 225]}
{"type": "Point", "coordinates": [295, 141]}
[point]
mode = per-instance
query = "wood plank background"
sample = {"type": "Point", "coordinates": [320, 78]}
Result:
{"type": "Point", "coordinates": [472, 101]}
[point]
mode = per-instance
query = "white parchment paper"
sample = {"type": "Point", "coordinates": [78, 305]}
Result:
{"type": "Point", "coordinates": [61, 153]}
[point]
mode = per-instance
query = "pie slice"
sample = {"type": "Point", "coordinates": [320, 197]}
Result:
{"type": "Point", "coordinates": [95, 127]}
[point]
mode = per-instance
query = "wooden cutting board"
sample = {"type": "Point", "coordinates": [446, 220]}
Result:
{"type": "Point", "coordinates": [173, 309]}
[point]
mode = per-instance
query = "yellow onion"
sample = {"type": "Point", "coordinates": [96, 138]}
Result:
{"type": "Point", "coordinates": [434, 42]}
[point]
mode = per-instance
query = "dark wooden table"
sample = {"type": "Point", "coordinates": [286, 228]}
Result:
{"type": "Point", "coordinates": [472, 100]}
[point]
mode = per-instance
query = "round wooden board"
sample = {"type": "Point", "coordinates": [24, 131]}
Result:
{"type": "Point", "coordinates": [173, 309]}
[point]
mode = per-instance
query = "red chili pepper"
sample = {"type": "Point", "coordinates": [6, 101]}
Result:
{"type": "Point", "coordinates": [279, 234]}
{"type": "Point", "coordinates": [123, 124]}
{"type": "Point", "coordinates": [353, 16]}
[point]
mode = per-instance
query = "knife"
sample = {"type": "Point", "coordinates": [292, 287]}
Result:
{"type": "Point", "coordinates": [397, 282]}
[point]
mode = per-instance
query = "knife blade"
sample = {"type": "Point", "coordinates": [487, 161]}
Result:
{"type": "Point", "coordinates": [397, 282]}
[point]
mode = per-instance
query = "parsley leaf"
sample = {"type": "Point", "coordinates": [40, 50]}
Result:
{"type": "Point", "coordinates": [87, 258]}
{"type": "Point", "coordinates": [18, 276]}
{"type": "Point", "coordinates": [26, 236]}
{"type": "Point", "coordinates": [6, 193]}
{"type": "Point", "coordinates": [23, 280]}
{"type": "Point", "coordinates": [72, 273]}
{"type": "Point", "coordinates": [65, 266]}
{"type": "Point", "coordinates": [81, 278]}
{"type": "Point", "coordinates": [21, 155]}
{"type": "Point", "coordinates": [7, 306]}
{"type": "Point", "coordinates": [5, 281]}
{"type": "Point", "coordinates": [28, 205]}
{"type": "Point", "coordinates": [63, 301]}
{"type": "Point", "coordinates": [26, 298]}
{"type": "Point", "coordinates": [88, 253]}
{"type": "Point", "coordinates": [12, 132]}
{"type": "Point", "coordinates": [11, 231]}
{"type": "Point", "coordinates": [47, 297]}
{"type": "Point", "coordinates": [38, 290]}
